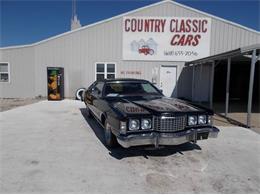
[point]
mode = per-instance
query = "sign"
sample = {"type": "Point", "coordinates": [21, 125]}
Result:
{"type": "Point", "coordinates": [166, 38]}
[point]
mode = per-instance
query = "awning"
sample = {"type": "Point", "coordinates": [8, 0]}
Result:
{"type": "Point", "coordinates": [251, 52]}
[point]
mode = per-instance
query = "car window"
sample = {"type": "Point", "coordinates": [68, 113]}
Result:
{"type": "Point", "coordinates": [97, 89]}
{"type": "Point", "coordinates": [99, 86]}
{"type": "Point", "coordinates": [91, 87]}
{"type": "Point", "coordinates": [130, 88]}
{"type": "Point", "coordinates": [148, 88]}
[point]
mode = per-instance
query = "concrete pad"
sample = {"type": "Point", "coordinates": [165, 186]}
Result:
{"type": "Point", "coordinates": [52, 147]}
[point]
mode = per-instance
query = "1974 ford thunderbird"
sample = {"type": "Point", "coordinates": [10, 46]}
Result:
{"type": "Point", "coordinates": [134, 112]}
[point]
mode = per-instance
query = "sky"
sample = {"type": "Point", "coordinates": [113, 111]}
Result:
{"type": "Point", "coordinates": [28, 21]}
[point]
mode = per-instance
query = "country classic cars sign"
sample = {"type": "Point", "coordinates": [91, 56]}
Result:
{"type": "Point", "coordinates": [166, 38]}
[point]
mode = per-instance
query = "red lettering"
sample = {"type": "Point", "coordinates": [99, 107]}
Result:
{"type": "Point", "coordinates": [182, 26]}
{"type": "Point", "coordinates": [195, 27]}
{"type": "Point", "coordinates": [196, 40]}
{"type": "Point", "coordinates": [188, 40]}
{"type": "Point", "coordinates": [146, 26]}
{"type": "Point", "coordinates": [152, 25]}
{"type": "Point", "coordinates": [204, 23]}
{"type": "Point", "coordinates": [188, 28]}
{"type": "Point", "coordinates": [157, 26]}
{"type": "Point", "coordinates": [172, 29]}
{"type": "Point", "coordinates": [182, 40]}
{"type": "Point", "coordinates": [163, 24]}
{"type": "Point", "coordinates": [127, 28]}
{"type": "Point", "coordinates": [133, 25]}
{"type": "Point", "coordinates": [185, 40]}
{"type": "Point", "coordinates": [140, 25]}
{"type": "Point", "coordinates": [173, 42]}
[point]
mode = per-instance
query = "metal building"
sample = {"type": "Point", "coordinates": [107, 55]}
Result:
{"type": "Point", "coordinates": [152, 42]}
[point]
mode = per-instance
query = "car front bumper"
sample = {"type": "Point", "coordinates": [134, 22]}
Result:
{"type": "Point", "coordinates": [171, 138]}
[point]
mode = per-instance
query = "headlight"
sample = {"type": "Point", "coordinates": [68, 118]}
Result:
{"type": "Point", "coordinates": [134, 124]}
{"type": "Point", "coordinates": [202, 119]}
{"type": "Point", "coordinates": [192, 120]}
{"type": "Point", "coordinates": [146, 124]}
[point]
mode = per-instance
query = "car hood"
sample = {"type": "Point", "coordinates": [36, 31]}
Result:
{"type": "Point", "coordinates": [153, 106]}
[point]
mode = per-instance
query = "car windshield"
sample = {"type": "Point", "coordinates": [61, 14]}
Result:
{"type": "Point", "coordinates": [130, 89]}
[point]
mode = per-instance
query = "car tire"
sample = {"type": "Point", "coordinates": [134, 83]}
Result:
{"type": "Point", "coordinates": [110, 138]}
{"type": "Point", "coordinates": [80, 93]}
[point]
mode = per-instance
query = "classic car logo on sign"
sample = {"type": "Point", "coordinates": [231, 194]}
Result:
{"type": "Point", "coordinates": [144, 47]}
{"type": "Point", "coordinates": [146, 50]}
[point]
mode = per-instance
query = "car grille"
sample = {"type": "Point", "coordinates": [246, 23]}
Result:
{"type": "Point", "coordinates": [169, 123]}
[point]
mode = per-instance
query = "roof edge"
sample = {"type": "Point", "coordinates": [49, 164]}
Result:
{"type": "Point", "coordinates": [215, 17]}
{"type": "Point", "coordinates": [224, 55]}
{"type": "Point", "coordinates": [127, 13]}
{"type": "Point", "coordinates": [87, 26]}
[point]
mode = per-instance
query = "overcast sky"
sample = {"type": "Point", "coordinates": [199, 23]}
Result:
{"type": "Point", "coordinates": [25, 22]}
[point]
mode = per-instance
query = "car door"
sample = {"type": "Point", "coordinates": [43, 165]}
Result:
{"type": "Point", "coordinates": [94, 99]}
{"type": "Point", "coordinates": [88, 94]}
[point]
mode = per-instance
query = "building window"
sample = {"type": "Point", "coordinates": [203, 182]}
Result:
{"type": "Point", "coordinates": [105, 71]}
{"type": "Point", "coordinates": [4, 72]}
{"type": "Point", "coordinates": [100, 71]}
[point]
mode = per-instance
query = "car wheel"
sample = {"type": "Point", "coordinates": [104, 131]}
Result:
{"type": "Point", "coordinates": [110, 138]}
{"type": "Point", "coordinates": [79, 94]}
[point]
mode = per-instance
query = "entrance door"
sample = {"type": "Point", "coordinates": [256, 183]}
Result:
{"type": "Point", "coordinates": [55, 78]}
{"type": "Point", "coordinates": [168, 78]}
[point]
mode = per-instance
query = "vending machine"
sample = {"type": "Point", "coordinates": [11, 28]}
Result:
{"type": "Point", "coordinates": [55, 78]}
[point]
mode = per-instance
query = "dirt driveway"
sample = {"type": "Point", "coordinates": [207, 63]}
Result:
{"type": "Point", "coordinates": [52, 147]}
{"type": "Point", "coordinates": [10, 103]}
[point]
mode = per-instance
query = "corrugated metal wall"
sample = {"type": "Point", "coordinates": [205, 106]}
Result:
{"type": "Point", "coordinates": [77, 52]}
{"type": "Point", "coordinates": [22, 73]}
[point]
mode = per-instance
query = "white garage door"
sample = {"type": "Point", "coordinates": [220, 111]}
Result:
{"type": "Point", "coordinates": [168, 78]}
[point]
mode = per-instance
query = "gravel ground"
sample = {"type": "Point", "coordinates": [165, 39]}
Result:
{"type": "Point", "coordinates": [52, 147]}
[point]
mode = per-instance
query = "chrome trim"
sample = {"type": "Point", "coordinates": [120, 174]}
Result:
{"type": "Point", "coordinates": [169, 123]}
{"type": "Point", "coordinates": [173, 138]}
{"type": "Point", "coordinates": [168, 117]}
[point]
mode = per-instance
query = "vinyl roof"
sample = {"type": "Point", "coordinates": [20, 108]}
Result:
{"type": "Point", "coordinates": [130, 12]}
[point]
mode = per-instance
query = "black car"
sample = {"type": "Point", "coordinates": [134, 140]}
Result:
{"type": "Point", "coordinates": [134, 112]}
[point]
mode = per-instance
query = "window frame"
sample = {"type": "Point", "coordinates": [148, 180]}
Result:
{"type": "Point", "coordinates": [105, 69]}
{"type": "Point", "coordinates": [8, 72]}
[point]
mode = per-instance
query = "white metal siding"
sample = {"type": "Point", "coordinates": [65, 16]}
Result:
{"type": "Point", "coordinates": [22, 73]}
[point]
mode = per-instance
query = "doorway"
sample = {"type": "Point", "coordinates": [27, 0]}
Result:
{"type": "Point", "coordinates": [168, 79]}
{"type": "Point", "coordinates": [55, 85]}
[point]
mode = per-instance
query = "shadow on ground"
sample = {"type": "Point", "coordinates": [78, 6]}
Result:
{"type": "Point", "coordinates": [120, 152]}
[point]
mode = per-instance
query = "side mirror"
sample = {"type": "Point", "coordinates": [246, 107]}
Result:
{"type": "Point", "coordinates": [161, 90]}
